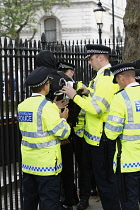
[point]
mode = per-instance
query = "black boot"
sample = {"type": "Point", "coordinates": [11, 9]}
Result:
{"type": "Point", "coordinates": [83, 204]}
{"type": "Point", "coordinates": [64, 207]}
{"type": "Point", "coordinates": [93, 192]}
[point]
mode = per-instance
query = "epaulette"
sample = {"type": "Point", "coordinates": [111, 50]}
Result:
{"type": "Point", "coordinates": [119, 91]}
{"type": "Point", "coordinates": [107, 72]}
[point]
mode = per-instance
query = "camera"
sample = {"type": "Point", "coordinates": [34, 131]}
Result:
{"type": "Point", "coordinates": [62, 82]}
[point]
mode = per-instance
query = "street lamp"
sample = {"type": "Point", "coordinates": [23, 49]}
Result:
{"type": "Point", "coordinates": [99, 11]}
{"type": "Point", "coordinates": [113, 23]}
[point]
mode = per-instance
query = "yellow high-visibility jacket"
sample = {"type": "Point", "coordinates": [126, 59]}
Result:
{"type": "Point", "coordinates": [79, 128]}
{"type": "Point", "coordinates": [42, 129]}
{"type": "Point", "coordinates": [91, 88]}
{"type": "Point", "coordinates": [97, 107]}
{"type": "Point", "coordinates": [124, 121]}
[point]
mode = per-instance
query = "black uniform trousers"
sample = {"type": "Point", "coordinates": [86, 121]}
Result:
{"type": "Point", "coordinates": [67, 174]}
{"type": "Point", "coordinates": [101, 161]}
{"type": "Point", "coordinates": [42, 190]}
{"type": "Point", "coordinates": [129, 186]}
{"type": "Point", "coordinates": [81, 158]}
{"type": "Point", "coordinates": [93, 183]}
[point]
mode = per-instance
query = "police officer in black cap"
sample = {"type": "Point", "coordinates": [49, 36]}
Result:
{"type": "Point", "coordinates": [66, 67]}
{"type": "Point", "coordinates": [123, 124]}
{"type": "Point", "coordinates": [137, 77]}
{"type": "Point", "coordinates": [79, 142]}
{"type": "Point", "coordinates": [42, 127]}
{"type": "Point", "coordinates": [100, 150]}
{"type": "Point", "coordinates": [67, 70]}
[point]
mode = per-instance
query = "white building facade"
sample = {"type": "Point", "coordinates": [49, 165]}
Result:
{"type": "Point", "coordinates": [77, 21]}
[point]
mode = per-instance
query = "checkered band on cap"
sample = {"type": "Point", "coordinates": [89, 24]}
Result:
{"type": "Point", "coordinates": [64, 66]}
{"type": "Point", "coordinates": [97, 51]}
{"type": "Point", "coordinates": [123, 69]}
{"type": "Point", "coordinates": [42, 83]}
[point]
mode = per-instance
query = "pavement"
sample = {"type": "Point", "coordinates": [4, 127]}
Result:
{"type": "Point", "coordinates": [94, 203]}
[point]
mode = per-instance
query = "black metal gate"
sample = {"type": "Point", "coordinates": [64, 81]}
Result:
{"type": "Point", "coordinates": [16, 62]}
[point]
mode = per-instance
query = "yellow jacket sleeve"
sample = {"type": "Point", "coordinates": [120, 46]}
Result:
{"type": "Point", "coordinates": [54, 124]}
{"type": "Point", "coordinates": [115, 121]}
{"type": "Point", "coordinates": [100, 101]}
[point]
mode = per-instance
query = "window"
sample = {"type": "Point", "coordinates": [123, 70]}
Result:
{"type": "Point", "coordinates": [50, 29]}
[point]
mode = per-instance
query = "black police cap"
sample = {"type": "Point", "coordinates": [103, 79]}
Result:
{"type": "Point", "coordinates": [62, 66]}
{"type": "Point", "coordinates": [119, 68]}
{"type": "Point", "coordinates": [97, 49]}
{"type": "Point", "coordinates": [137, 64]}
{"type": "Point", "coordinates": [137, 70]}
{"type": "Point", "coordinates": [137, 74]}
{"type": "Point", "coordinates": [38, 76]}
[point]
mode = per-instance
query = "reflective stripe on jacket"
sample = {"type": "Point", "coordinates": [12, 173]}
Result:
{"type": "Point", "coordinates": [42, 129]}
{"type": "Point", "coordinates": [91, 88]}
{"type": "Point", "coordinates": [124, 121]}
{"type": "Point", "coordinates": [79, 128]}
{"type": "Point", "coordinates": [97, 107]}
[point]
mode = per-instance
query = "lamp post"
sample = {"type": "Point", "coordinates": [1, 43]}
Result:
{"type": "Point", "coordinates": [113, 23]}
{"type": "Point", "coordinates": [99, 11]}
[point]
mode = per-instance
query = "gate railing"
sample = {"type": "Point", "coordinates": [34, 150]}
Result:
{"type": "Point", "coordinates": [16, 62]}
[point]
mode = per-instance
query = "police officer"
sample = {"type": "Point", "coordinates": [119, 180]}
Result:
{"type": "Point", "coordinates": [137, 77]}
{"type": "Point", "coordinates": [124, 122]}
{"type": "Point", "coordinates": [86, 182]}
{"type": "Point", "coordinates": [42, 127]}
{"type": "Point", "coordinates": [66, 69]}
{"type": "Point", "coordinates": [99, 148]}
{"type": "Point", "coordinates": [78, 142]}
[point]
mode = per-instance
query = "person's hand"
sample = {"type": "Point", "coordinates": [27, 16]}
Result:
{"type": "Point", "coordinates": [84, 91]}
{"type": "Point", "coordinates": [65, 141]}
{"type": "Point", "coordinates": [62, 103]}
{"type": "Point", "coordinates": [69, 91]}
{"type": "Point", "coordinates": [64, 113]}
